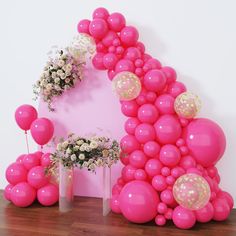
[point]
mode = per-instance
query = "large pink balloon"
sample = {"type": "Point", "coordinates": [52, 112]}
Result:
{"type": "Point", "coordinates": [116, 21]}
{"type": "Point", "coordinates": [37, 177]}
{"type": "Point", "coordinates": [137, 159]}
{"type": "Point", "coordinates": [206, 141]}
{"type": "Point", "coordinates": [20, 158]}
{"type": "Point", "coordinates": [145, 132]}
{"type": "Point", "coordinates": [129, 36]}
{"type": "Point", "coordinates": [148, 113]}
{"type": "Point", "coordinates": [165, 104]}
{"type": "Point", "coordinates": [155, 80]}
{"type": "Point", "coordinates": [16, 173]}
{"type": "Point", "coordinates": [153, 167]}
{"type": "Point", "coordinates": [168, 129]}
{"type": "Point", "coordinates": [25, 115]}
{"type": "Point", "coordinates": [48, 195]}
{"type": "Point", "coordinates": [221, 209]}
{"type": "Point", "coordinates": [138, 201]}
{"type": "Point", "coordinates": [169, 155]}
{"type": "Point", "coordinates": [23, 195]}
{"type": "Point", "coordinates": [98, 28]}
{"type": "Point", "coordinates": [151, 149]}
{"type": "Point", "coordinates": [42, 130]}
{"type": "Point", "coordinates": [205, 214]}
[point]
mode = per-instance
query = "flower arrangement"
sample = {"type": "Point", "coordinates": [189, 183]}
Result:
{"type": "Point", "coordinates": [85, 153]}
{"type": "Point", "coordinates": [63, 70]}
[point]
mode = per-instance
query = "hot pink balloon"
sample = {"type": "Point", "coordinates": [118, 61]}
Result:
{"type": "Point", "coordinates": [98, 28]}
{"type": "Point", "coordinates": [115, 204]}
{"type": "Point", "coordinates": [124, 65]}
{"type": "Point", "coordinates": [16, 173]}
{"type": "Point", "coordinates": [45, 160]}
{"type": "Point", "coordinates": [131, 124]}
{"type": "Point", "coordinates": [145, 132]}
{"type": "Point", "coordinates": [128, 173]}
{"type": "Point", "coordinates": [7, 192]}
{"type": "Point", "coordinates": [48, 195]}
{"type": "Point", "coordinates": [129, 36]}
{"type": "Point", "coordinates": [37, 177]}
{"type": "Point", "coordinates": [187, 162]}
{"type": "Point", "coordinates": [151, 64]}
{"type": "Point", "coordinates": [138, 201]}
{"type": "Point", "coordinates": [221, 209]}
{"type": "Point", "coordinates": [205, 214]}
{"type": "Point", "coordinates": [109, 38]}
{"type": "Point", "coordinates": [206, 141]}
{"type": "Point", "coordinates": [100, 13]}
{"type": "Point", "coordinates": [176, 88]}
{"type": "Point", "coordinates": [116, 21]}
{"type": "Point", "coordinates": [159, 182]}
{"type": "Point", "coordinates": [23, 195]}
{"type": "Point", "coordinates": [25, 115]}
{"type": "Point", "coordinates": [83, 26]}
{"type": "Point", "coordinates": [154, 80]}
{"type": "Point", "coordinates": [110, 60]}
{"type": "Point", "coordinates": [169, 155]}
{"type": "Point", "coordinates": [153, 167]}
{"type": "Point", "coordinates": [137, 159]}
{"type": "Point", "coordinates": [140, 174]}
{"type": "Point", "coordinates": [129, 144]}
{"type": "Point", "coordinates": [129, 108]}
{"type": "Point", "coordinates": [227, 197]}
{"type": "Point", "coordinates": [151, 149]}
{"type": "Point", "coordinates": [183, 218]}
{"type": "Point", "coordinates": [165, 104]}
{"type": "Point", "coordinates": [170, 74]}
{"type": "Point", "coordinates": [162, 208]}
{"type": "Point", "coordinates": [98, 61]}
{"type": "Point", "coordinates": [168, 129]}
{"type": "Point", "coordinates": [148, 113]}
{"type": "Point", "coordinates": [20, 158]}
{"type": "Point", "coordinates": [132, 53]}
{"type": "Point", "coordinates": [31, 160]}
{"type": "Point", "coordinates": [160, 220]}
{"type": "Point", "coordinates": [167, 197]}
{"type": "Point", "coordinates": [42, 130]}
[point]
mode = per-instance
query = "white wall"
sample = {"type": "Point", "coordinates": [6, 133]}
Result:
{"type": "Point", "coordinates": [197, 38]}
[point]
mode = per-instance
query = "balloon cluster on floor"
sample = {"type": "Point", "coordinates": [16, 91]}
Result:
{"type": "Point", "coordinates": [169, 156]}
{"type": "Point", "coordinates": [26, 177]}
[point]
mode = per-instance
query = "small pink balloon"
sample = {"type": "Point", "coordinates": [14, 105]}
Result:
{"type": "Point", "coordinates": [129, 144]}
{"type": "Point", "coordinates": [205, 214]}
{"type": "Point", "coordinates": [154, 80]}
{"type": "Point", "coordinates": [141, 99]}
{"type": "Point", "coordinates": [45, 160]}
{"type": "Point", "coordinates": [128, 173]}
{"type": "Point", "coordinates": [170, 180]}
{"type": "Point", "coordinates": [120, 50]}
{"type": "Point", "coordinates": [148, 113]}
{"type": "Point", "coordinates": [100, 13]}
{"type": "Point", "coordinates": [151, 97]}
{"type": "Point", "coordinates": [169, 155]}
{"type": "Point", "coordinates": [110, 60]}
{"type": "Point", "coordinates": [129, 36]}
{"type": "Point", "coordinates": [151, 64]}
{"type": "Point", "coordinates": [167, 197]}
{"type": "Point", "coordinates": [16, 173]}
{"type": "Point", "coordinates": [132, 54]}
{"type": "Point", "coordinates": [140, 47]}
{"type": "Point", "coordinates": [124, 65]}
{"type": "Point", "coordinates": [162, 208]}
{"type": "Point", "coordinates": [138, 202]}
{"type": "Point", "coordinates": [37, 177]}
{"type": "Point", "coordinates": [151, 148]}
{"type": "Point", "coordinates": [20, 158]}
{"type": "Point", "coordinates": [138, 63]}
{"type": "Point", "coordinates": [48, 195]}
{"type": "Point", "coordinates": [124, 158]}
{"type": "Point", "coordinates": [169, 213]}
{"type": "Point", "coordinates": [177, 171]}
{"type": "Point", "coordinates": [201, 135]}
{"type": "Point", "coordinates": [38, 154]}
{"type": "Point", "coordinates": [165, 171]}
{"type": "Point", "coordinates": [98, 28]}
{"type": "Point", "coordinates": [137, 159]}
{"type": "Point", "coordinates": [145, 132]}
{"type": "Point", "coordinates": [83, 26]}
{"type": "Point", "coordinates": [140, 174]}
{"type": "Point", "coordinates": [183, 218]}
{"type": "Point", "coordinates": [23, 195]}
{"type": "Point", "coordinates": [146, 57]}
{"type": "Point", "coordinates": [176, 88]}
{"type": "Point", "coordinates": [115, 204]}
{"type": "Point", "coordinates": [7, 192]}
{"type": "Point", "coordinates": [25, 115]}
{"type": "Point", "coordinates": [165, 104]}
{"type": "Point", "coordinates": [42, 130]}
{"type": "Point", "coordinates": [227, 197]}
{"type": "Point", "coordinates": [31, 160]}
{"type": "Point", "coordinates": [194, 171]}
{"type": "Point", "coordinates": [153, 167]}
{"type": "Point", "coordinates": [131, 124]}
{"type": "Point", "coordinates": [129, 108]}
{"type": "Point", "coordinates": [212, 171]}
{"type": "Point", "coordinates": [109, 39]}
{"type": "Point", "coordinates": [116, 189]}
{"type": "Point", "coordinates": [187, 162]}
{"type": "Point", "coordinates": [221, 209]}
{"type": "Point", "coordinates": [101, 48]}
{"type": "Point", "coordinates": [98, 61]}
{"type": "Point", "coordinates": [160, 220]}
{"type": "Point", "coordinates": [168, 129]}
{"type": "Point", "coordinates": [170, 74]}
{"type": "Point", "coordinates": [116, 21]}
{"type": "Point", "coordinates": [159, 183]}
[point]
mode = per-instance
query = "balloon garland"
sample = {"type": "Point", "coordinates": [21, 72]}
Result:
{"type": "Point", "coordinates": [169, 156]}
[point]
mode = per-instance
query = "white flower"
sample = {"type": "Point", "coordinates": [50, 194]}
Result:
{"type": "Point", "coordinates": [59, 72]}
{"type": "Point", "coordinates": [65, 144]}
{"type": "Point", "coordinates": [57, 87]}
{"type": "Point", "coordinates": [93, 145]}
{"type": "Point", "coordinates": [68, 73]}
{"type": "Point", "coordinates": [68, 67]}
{"type": "Point", "coordinates": [81, 156]}
{"type": "Point", "coordinates": [46, 73]}
{"type": "Point", "coordinates": [73, 157]}
{"type": "Point", "coordinates": [57, 79]}
{"type": "Point", "coordinates": [76, 148]}
{"type": "Point", "coordinates": [54, 75]}
{"type": "Point", "coordinates": [85, 164]}
{"type": "Point", "coordinates": [55, 66]}
{"type": "Point", "coordinates": [49, 86]}
{"type": "Point", "coordinates": [68, 151]}
{"type": "Point", "coordinates": [82, 148]}
{"type": "Point", "coordinates": [61, 63]}
{"type": "Point", "coordinates": [63, 75]}
{"type": "Point", "coordinates": [88, 149]}
{"type": "Point", "coordinates": [80, 142]}
{"type": "Point", "coordinates": [92, 166]}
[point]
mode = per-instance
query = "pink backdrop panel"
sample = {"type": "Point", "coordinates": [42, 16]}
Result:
{"type": "Point", "coordinates": [90, 108]}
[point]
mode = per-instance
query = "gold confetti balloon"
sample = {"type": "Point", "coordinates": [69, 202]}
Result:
{"type": "Point", "coordinates": [126, 85]}
{"type": "Point", "coordinates": [187, 105]}
{"type": "Point", "coordinates": [191, 191]}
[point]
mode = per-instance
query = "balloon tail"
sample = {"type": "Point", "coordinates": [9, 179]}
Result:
{"type": "Point", "coordinates": [41, 147]}
{"type": "Point", "coordinates": [27, 142]}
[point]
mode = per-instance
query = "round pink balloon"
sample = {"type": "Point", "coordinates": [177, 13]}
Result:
{"type": "Point", "coordinates": [227, 197]}
{"type": "Point", "coordinates": [206, 141]}
{"type": "Point", "coordinates": [129, 108]}
{"type": "Point", "coordinates": [124, 65]}
{"type": "Point", "coordinates": [31, 160]}
{"type": "Point", "coordinates": [83, 26]}
{"type": "Point", "coordinates": [159, 183]}
{"type": "Point", "coordinates": [45, 160]}
{"type": "Point", "coordinates": [128, 173]}
{"type": "Point", "coordinates": [145, 132]}
{"type": "Point", "coordinates": [25, 115]}
{"type": "Point", "coordinates": [160, 220]}
{"type": "Point", "coordinates": [187, 162]}
{"type": "Point", "coordinates": [100, 13]}
{"type": "Point", "coordinates": [116, 21]}
{"type": "Point", "coordinates": [37, 177]}
{"type": "Point", "coordinates": [165, 104]}
{"type": "Point", "coordinates": [7, 192]}
{"type": "Point", "coordinates": [151, 148]}
{"type": "Point", "coordinates": [98, 61]}
{"type": "Point", "coordinates": [132, 53]}
{"type": "Point", "coordinates": [20, 158]}
{"type": "Point", "coordinates": [98, 28]}
{"type": "Point", "coordinates": [153, 167]}
{"type": "Point", "coordinates": [138, 201]}
{"type": "Point", "coordinates": [169, 155]}
{"type": "Point", "coordinates": [205, 214]}
{"type": "Point", "coordinates": [148, 113]}
{"type": "Point", "coordinates": [151, 64]}
{"type": "Point", "coordinates": [140, 174]}
{"type": "Point", "coordinates": [129, 144]}
{"type": "Point", "coordinates": [183, 218]}
{"type": "Point", "coordinates": [131, 124]}
{"type": "Point", "coordinates": [16, 173]}
{"type": "Point", "coordinates": [162, 208]}
{"type": "Point", "coordinates": [137, 159]}
{"type": "Point", "coordinates": [176, 88]}
{"type": "Point", "coordinates": [155, 80]}
{"type": "Point", "coordinates": [48, 195]}
{"type": "Point", "coordinates": [221, 209]}
{"type": "Point", "coordinates": [110, 60]}
{"type": "Point", "coordinates": [23, 195]}
{"type": "Point", "coordinates": [170, 74]}
{"type": "Point", "coordinates": [168, 129]}
{"type": "Point", "coordinates": [42, 130]}
{"type": "Point", "coordinates": [109, 38]}
{"type": "Point", "coordinates": [167, 197]}
{"type": "Point", "coordinates": [129, 36]}
{"type": "Point", "coordinates": [115, 204]}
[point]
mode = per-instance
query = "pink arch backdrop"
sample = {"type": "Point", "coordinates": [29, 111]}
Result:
{"type": "Point", "coordinates": [160, 145]}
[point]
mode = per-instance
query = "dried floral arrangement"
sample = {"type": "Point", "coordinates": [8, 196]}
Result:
{"type": "Point", "coordinates": [85, 153]}
{"type": "Point", "coordinates": [63, 69]}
